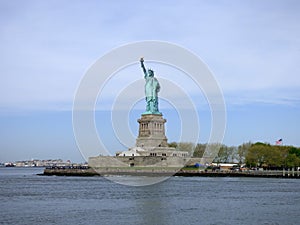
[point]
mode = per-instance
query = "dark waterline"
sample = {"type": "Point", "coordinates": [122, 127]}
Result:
{"type": "Point", "coordinates": [29, 199]}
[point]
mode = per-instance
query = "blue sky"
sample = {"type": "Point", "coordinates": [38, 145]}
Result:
{"type": "Point", "coordinates": [252, 48]}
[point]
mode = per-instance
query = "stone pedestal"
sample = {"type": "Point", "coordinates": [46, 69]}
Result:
{"type": "Point", "coordinates": [151, 131]}
{"type": "Point", "coordinates": [151, 149]}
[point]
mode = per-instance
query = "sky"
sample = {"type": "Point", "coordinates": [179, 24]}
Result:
{"type": "Point", "coordinates": [252, 47]}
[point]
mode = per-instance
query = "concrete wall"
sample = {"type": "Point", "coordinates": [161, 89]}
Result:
{"type": "Point", "coordinates": [141, 161]}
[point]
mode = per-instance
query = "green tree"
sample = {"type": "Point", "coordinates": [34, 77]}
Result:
{"type": "Point", "coordinates": [294, 150]}
{"type": "Point", "coordinates": [292, 160]}
{"type": "Point", "coordinates": [273, 156]}
{"type": "Point", "coordinates": [242, 152]}
{"type": "Point", "coordinates": [186, 146]}
{"type": "Point", "coordinates": [292, 156]}
{"type": "Point", "coordinates": [173, 144]}
{"type": "Point", "coordinates": [225, 154]}
{"type": "Point", "coordinates": [211, 151]}
{"type": "Point", "coordinates": [260, 154]}
{"type": "Point", "coordinates": [199, 150]}
{"type": "Point", "coordinates": [256, 155]}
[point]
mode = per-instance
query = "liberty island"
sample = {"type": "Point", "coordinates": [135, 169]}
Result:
{"type": "Point", "coordinates": [151, 148]}
{"type": "Point", "coordinates": [152, 153]}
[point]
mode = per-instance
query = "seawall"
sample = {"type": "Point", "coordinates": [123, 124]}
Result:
{"type": "Point", "coordinates": [167, 172]}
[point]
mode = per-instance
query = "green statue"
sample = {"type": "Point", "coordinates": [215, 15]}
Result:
{"type": "Point", "coordinates": [152, 87]}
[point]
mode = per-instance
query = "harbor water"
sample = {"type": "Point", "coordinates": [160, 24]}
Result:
{"type": "Point", "coordinates": [26, 198]}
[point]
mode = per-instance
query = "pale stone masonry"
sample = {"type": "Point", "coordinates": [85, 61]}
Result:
{"type": "Point", "coordinates": [151, 131]}
{"type": "Point", "coordinates": [151, 149]}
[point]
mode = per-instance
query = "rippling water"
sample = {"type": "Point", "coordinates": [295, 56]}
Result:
{"type": "Point", "coordinates": [29, 199]}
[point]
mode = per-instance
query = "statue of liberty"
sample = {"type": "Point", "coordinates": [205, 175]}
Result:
{"type": "Point", "coordinates": [152, 87]}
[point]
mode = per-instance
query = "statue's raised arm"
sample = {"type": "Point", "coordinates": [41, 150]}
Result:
{"type": "Point", "coordinates": [143, 67]}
